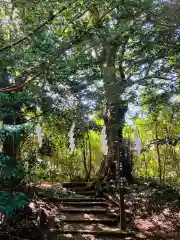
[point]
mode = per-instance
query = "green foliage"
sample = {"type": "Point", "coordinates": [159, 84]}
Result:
{"type": "Point", "coordinates": [41, 173]}
{"type": "Point", "coordinates": [10, 172]}
{"type": "Point", "coordinates": [13, 98]}
{"type": "Point", "coordinates": [10, 203]}
{"type": "Point", "coordinates": [154, 130]}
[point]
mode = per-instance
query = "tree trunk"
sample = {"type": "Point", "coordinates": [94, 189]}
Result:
{"type": "Point", "coordinates": [116, 108]}
{"type": "Point", "coordinates": [164, 163]}
{"type": "Point", "coordinates": [103, 170]}
{"type": "Point", "coordinates": [114, 134]}
{"type": "Point", "coordinates": [90, 157]}
{"type": "Point", "coordinates": [84, 158]}
{"type": "Point", "coordinates": [158, 155]}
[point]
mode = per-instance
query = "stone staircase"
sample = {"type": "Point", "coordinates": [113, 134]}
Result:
{"type": "Point", "coordinates": [87, 216]}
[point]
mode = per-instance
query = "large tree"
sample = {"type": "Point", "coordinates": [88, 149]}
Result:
{"type": "Point", "coordinates": [102, 53]}
{"type": "Point", "coordinates": [132, 58]}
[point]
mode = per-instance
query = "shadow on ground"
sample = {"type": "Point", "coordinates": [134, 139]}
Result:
{"type": "Point", "coordinates": [154, 210]}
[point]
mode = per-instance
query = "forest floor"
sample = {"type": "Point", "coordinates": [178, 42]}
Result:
{"type": "Point", "coordinates": [152, 212]}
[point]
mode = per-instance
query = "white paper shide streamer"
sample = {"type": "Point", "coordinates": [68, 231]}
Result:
{"type": "Point", "coordinates": [137, 142]}
{"type": "Point", "coordinates": [104, 144]}
{"type": "Point", "coordinates": [71, 138]}
{"type": "Point", "coordinates": [39, 134]}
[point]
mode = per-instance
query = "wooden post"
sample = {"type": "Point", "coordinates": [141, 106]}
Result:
{"type": "Point", "coordinates": [120, 171]}
{"type": "Point", "coordinates": [120, 185]}
{"type": "Point", "coordinates": [118, 111]}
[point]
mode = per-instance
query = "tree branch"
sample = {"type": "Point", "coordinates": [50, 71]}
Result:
{"type": "Point", "coordinates": [169, 140]}
{"type": "Point", "coordinates": [51, 17]}
{"type": "Point", "coordinates": [19, 87]}
{"type": "Point", "coordinates": [142, 81]}
{"type": "Point", "coordinates": [42, 66]}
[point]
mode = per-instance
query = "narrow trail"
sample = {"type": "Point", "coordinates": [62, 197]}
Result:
{"type": "Point", "coordinates": [58, 213]}
{"type": "Point", "coordinates": [85, 217]}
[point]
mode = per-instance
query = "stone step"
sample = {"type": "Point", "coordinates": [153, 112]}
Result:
{"type": "Point", "coordinates": [81, 210]}
{"type": "Point", "coordinates": [77, 190]}
{"type": "Point", "coordinates": [99, 237]}
{"type": "Point", "coordinates": [87, 193]}
{"type": "Point", "coordinates": [82, 199]}
{"type": "Point", "coordinates": [75, 184]}
{"type": "Point", "coordinates": [91, 221]}
{"type": "Point", "coordinates": [85, 216]}
{"type": "Point", "coordinates": [89, 211]}
{"type": "Point", "coordinates": [79, 198]}
{"type": "Point", "coordinates": [106, 233]}
{"type": "Point", "coordinates": [82, 203]}
{"type": "Point", "coordinates": [63, 206]}
{"type": "Point", "coordinates": [86, 188]}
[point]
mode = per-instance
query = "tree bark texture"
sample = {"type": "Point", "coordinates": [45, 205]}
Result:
{"type": "Point", "coordinates": [114, 89]}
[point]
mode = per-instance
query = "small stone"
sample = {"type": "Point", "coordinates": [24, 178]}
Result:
{"type": "Point", "coordinates": [140, 235]}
